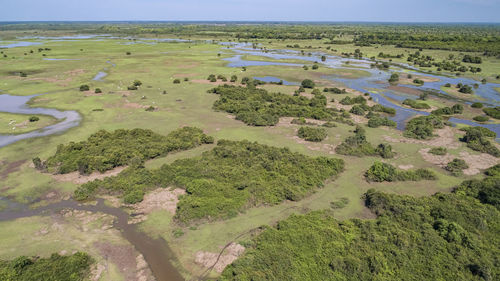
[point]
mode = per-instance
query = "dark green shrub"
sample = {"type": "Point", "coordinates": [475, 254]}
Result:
{"type": "Point", "coordinates": [476, 105]}
{"type": "Point", "coordinates": [455, 109]}
{"type": "Point", "coordinates": [98, 90]}
{"type": "Point", "coordinates": [422, 127]}
{"type": "Point", "coordinates": [312, 134]}
{"type": "Point", "coordinates": [177, 81]}
{"type": "Point", "coordinates": [380, 172]}
{"type": "Point", "coordinates": [456, 166]}
{"type": "Point", "coordinates": [481, 118]}
{"type": "Point", "coordinates": [394, 78]}
{"type": "Point", "coordinates": [308, 83]}
{"type": "Point", "coordinates": [358, 110]}
{"type": "Point", "coordinates": [417, 105]}
{"type": "Point", "coordinates": [492, 112]}
{"type": "Point", "coordinates": [438, 150]}
{"type": "Point", "coordinates": [84, 88]}
{"type": "Point", "coordinates": [476, 139]}
{"type": "Point", "coordinates": [34, 119]}
{"type": "Point", "coordinates": [377, 121]}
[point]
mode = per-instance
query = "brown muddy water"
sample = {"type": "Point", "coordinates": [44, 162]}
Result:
{"type": "Point", "coordinates": [155, 251]}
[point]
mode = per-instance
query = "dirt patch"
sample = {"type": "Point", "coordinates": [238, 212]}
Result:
{"type": "Point", "coordinates": [445, 137]}
{"type": "Point", "coordinates": [403, 79]}
{"type": "Point", "coordinates": [10, 168]}
{"type": "Point", "coordinates": [219, 261]}
{"type": "Point", "coordinates": [476, 162]}
{"type": "Point", "coordinates": [132, 266]}
{"type": "Point", "coordinates": [405, 167]}
{"type": "Point", "coordinates": [75, 72]}
{"type": "Point", "coordinates": [159, 199]}
{"type": "Point", "coordinates": [77, 178]}
{"type": "Point", "coordinates": [182, 75]}
{"type": "Point", "coordinates": [405, 90]}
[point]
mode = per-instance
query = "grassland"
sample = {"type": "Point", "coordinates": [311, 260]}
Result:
{"type": "Point", "coordinates": [19, 123]}
{"type": "Point", "coordinates": [184, 104]}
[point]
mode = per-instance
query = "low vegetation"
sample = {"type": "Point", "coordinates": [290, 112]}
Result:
{"type": "Point", "coordinates": [105, 150]}
{"type": "Point", "coordinates": [438, 150]}
{"type": "Point", "coordinates": [492, 112]}
{"type": "Point", "coordinates": [456, 167]}
{"type": "Point", "coordinates": [75, 267]}
{"type": "Point", "coordinates": [357, 145]}
{"type": "Point", "coordinates": [380, 172]}
{"type": "Point", "coordinates": [422, 127]}
{"type": "Point", "coordinates": [258, 107]}
{"type": "Point", "coordinates": [225, 180]}
{"type": "Point", "coordinates": [312, 134]}
{"type": "Point", "coordinates": [477, 138]}
{"type": "Point", "coordinates": [417, 105]}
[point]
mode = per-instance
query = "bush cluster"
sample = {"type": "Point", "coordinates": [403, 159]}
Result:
{"type": "Point", "coordinates": [492, 112]}
{"type": "Point", "coordinates": [258, 107]}
{"type": "Point", "coordinates": [422, 127]}
{"type": "Point", "coordinates": [225, 180]}
{"type": "Point", "coordinates": [417, 105]}
{"type": "Point", "coordinates": [357, 145]}
{"type": "Point", "coordinates": [105, 150]}
{"type": "Point", "coordinates": [456, 166]}
{"type": "Point", "coordinates": [380, 172]}
{"type": "Point", "coordinates": [312, 134]}
{"type": "Point", "coordinates": [477, 139]}
{"type": "Point", "coordinates": [455, 109]}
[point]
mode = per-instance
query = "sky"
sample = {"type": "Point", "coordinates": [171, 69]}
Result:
{"type": "Point", "coordinates": [252, 10]}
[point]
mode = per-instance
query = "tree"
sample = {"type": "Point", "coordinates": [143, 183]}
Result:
{"type": "Point", "coordinates": [84, 88]}
{"type": "Point", "coordinates": [308, 83]}
{"type": "Point", "coordinates": [34, 118]}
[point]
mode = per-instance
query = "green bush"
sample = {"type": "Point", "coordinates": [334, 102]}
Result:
{"type": "Point", "coordinates": [357, 145]}
{"type": "Point", "coordinates": [257, 107]}
{"type": "Point", "coordinates": [358, 110]}
{"type": "Point", "coordinates": [422, 127]}
{"type": "Point", "coordinates": [394, 78]}
{"type": "Point", "coordinates": [75, 267]}
{"type": "Point", "coordinates": [438, 150]}
{"type": "Point", "coordinates": [481, 118]}
{"type": "Point", "coordinates": [439, 237]}
{"type": "Point", "coordinates": [103, 150]}
{"type": "Point", "coordinates": [177, 81]}
{"type": "Point", "coordinates": [476, 139]}
{"type": "Point", "coordinates": [492, 112]}
{"type": "Point", "coordinates": [225, 180]}
{"type": "Point", "coordinates": [380, 172]}
{"type": "Point", "coordinates": [350, 101]}
{"type": "Point", "coordinates": [308, 83]}
{"type": "Point", "coordinates": [34, 119]}
{"type": "Point", "coordinates": [456, 166]}
{"type": "Point", "coordinates": [84, 88]}
{"type": "Point", "coordinates": [312, 134]}
{"type": "Point", "coordinates": [476, 105]}
{"type": "Point", "coordinates": [417, 105]}
{"type": "Point", "coordinates": [377, 121]}
{"type": "Point", "coordinates": [455, 109]}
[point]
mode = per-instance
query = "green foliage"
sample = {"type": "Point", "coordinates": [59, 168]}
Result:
{"type": "Point", "coordinates": [466, 89]}
{"type": "Point", "coordinates": [257, 107]}
{"type": "Point", "coordinates": [308, 83]}
{"type": "Point", "coordinates": [394, 78]}
{"type": "Point", "coordinates": [456, 166]}
{"type": "Point", "coordinates": [225, 180]}
{"type": "Point", "coordinates": [442, 237]}
{"type": "Point", "coordinates": [350, 101]}
{"type": "Point", "coordinates": [177, 81]}
{"type": "Point", "coordinates": [455, 109]}
{"type": "Point", "coordinates": [104, 150]}
{"type": "Point", "coordinates": [418, 82]}
{"type": "Point", "coordinates": [377, 121]}
{"type": "Point", "coordinates": [98, 90]}
{"type": "Point", "coordinates": [34, 119]}
{"type": "Point", "coordinates": [481, 118]}
{"type": "Point", "coordinates": [492, 112]}
{"type": "Point", "coordinates": [422, 127]}
{"type": "Point", "coordinates": [476, 105]}
{"type": "Point", "coordinates": [339, 204]}
{"type": "Point", "coordinates": [476, 139]}
{"type": "Point", "coordinates": [380, 172]}
{"type": "Point", "coordinates": [485, 190]}
{"type": "Point", "coordinates": [358, 110]}
{"type": "Point", "coordinates": [357, 145]}
{"type": "Point", "coordinates": [335, 90]}
{"type": "Point", "coordinates": [417, 105]}
{"type": "Point", "coordinates": [84, 88]}
{"type": "Point", "coordinates": [312, 134]}
{"type": "Point", "coordinates": [55, 268]}
{"type": "Point", "coordinates": [438, 150]}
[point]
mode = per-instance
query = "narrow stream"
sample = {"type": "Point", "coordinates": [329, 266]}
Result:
{"type": "Point", "coordinates": [155, 251]}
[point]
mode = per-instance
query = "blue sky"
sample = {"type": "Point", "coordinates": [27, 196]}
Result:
{"type": "Point", "coordinates": [257, 10]}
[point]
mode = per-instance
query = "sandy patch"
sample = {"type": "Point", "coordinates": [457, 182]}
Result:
{"type": "Point", "coordinates": [77, 178]}
{"type": "Point", "coordinates": [445, 137]}
{"type": "Point", "coordinates": [159, 199]}
{"type": "Point", "coordinates": [476, 162]}
{"type": "Point", "coordinates": [219, 261]}
{"type": "Point", "coordinates": [405, 167]}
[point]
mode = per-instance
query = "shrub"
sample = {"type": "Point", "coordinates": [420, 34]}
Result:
{"type": "Point", "coordinates": [98, 90]}
{"type": "Point", "coordinates": [456, 166]}
{"type": "Point", "coordinates": [350, 101]}
{"type": "Point", "coordinates": [358, 110]}
{"type": "Point", "coordinates": [476, 139]}
{"type": "Point", "coordinates": [177, 81]}
{"type": "Point", "coordinates": [339, 204]}
{"type": "Point", "coordinates": [308, 83]}
{"type": "Point", "coordinates": [74, 267]}
{"type": "Point", "coordinates": [334, 90]}
{"type": "Point", "coordinates": [257, 107]}
{"type": "Point", "coordinates": [476, 105]}
{"type": "Point", "coordinates": [481, 118]}
{"type": "Point", "coordinates": [417, 105]}
{"type": "Point", "coordinates": [380, 172]}
{"type": "Point", "coordinates": [84, 88]}
{"type": "Point", "coordinates": [357, 145]}
{"type": "Point", "coordinates": [422, 127]}
{"type": "Point", "coordinates": [34, 119]}
{"type": "Point", "coordinates": [132, 88]}
{"type": "Point", "coordinates": [234, 78]}
{"type": "Point", "coordinates": [226, 180]}
{"type": "Point", "coordinates": [418, 82]}
{"type": "Point", "coordinates": [377, 121]}
{"type": "Point", "coordinates": [312, 134]}
{"type": "Point", "coordinates": [438, 150]}
{"type": "Point", "coordinates": [492, 112]}
{"type": "Point", "coordinates": [137, 83]}
{"type": "Point", "coordinates": [394, 78]}
{"type": "Point", "coordinates": [104, 150]}
{"type": "Point", "coordinates": [455, 109]}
